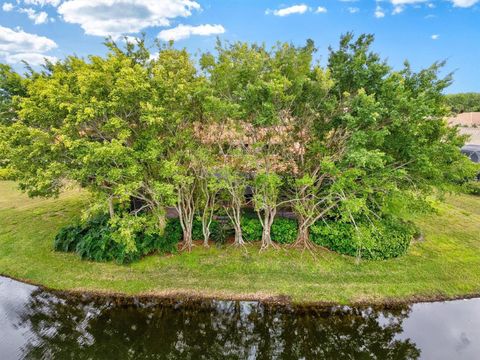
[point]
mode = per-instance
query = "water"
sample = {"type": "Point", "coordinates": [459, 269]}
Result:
{"type": "Point", "coordinates": [37, 324]}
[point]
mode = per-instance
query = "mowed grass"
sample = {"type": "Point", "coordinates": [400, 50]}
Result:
{"type": "Point", "coordinates": [445, 265]}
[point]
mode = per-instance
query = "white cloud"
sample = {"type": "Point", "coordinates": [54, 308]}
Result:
{"type": "Point", "coordinates": [398, 9]}
{"type": "Point", "coordinates": [117, 17]}
{"type": "Point", "coordinates": [37, 17]}
{"type": "Point", "coordinates": [435, 37]}
{"type": "Point", "coordinates": [7, 7]}
{"type": "Point", "coordinates": [34, 59]}
{"type": "Point", "coordinates": [42, 3]}
{"type": "Point", "coordinates": [321, 10]}
{"type": "Point", "coordinates": [295, 9]}
{"type": "Point", "coordinates": [353, 10]}
{"type": "Point", "coordinates": [431, 5]}
{"type": "Point", "coordinates": [185, 31]}
{"type": "Point", "coordinates": [17, 41]}
{"type": "Point", "coordinates": [379, 12]}
{"type": "Point", "coordinates": [406, 2]}
{"type": "Point", "coordinates": [17, 45]}
{"type": "Point", "coordinates": [464, 3]}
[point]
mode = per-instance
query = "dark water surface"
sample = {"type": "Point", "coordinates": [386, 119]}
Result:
{"type": "Point", "coordinates": [37, 324]}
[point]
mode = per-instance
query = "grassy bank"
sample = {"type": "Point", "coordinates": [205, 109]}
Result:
{"type": "Point", "coordinates": [446, 264]}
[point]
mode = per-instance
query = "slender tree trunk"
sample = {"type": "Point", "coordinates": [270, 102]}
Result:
{"type": "Point", "coordinates": [207, 217]}
{"type": "Point", "coordinates": [111, 210]}
{"type": "Point", "coordinates": [186, 213]}
{"type": "Point", "coordinates": [237, 213]}
{"type": "Point", "coordinates": [206, 234]}
{"type": "Point", "coordinates": [268, 218]}
{"type": "Point", "coordinates": [187, 236]}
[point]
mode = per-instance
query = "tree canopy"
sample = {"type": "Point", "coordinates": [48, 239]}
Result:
{"type": "Point", "coordinates": [147, 132]}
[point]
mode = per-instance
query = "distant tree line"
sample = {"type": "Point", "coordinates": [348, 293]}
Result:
{"type": "Point", "coordinates": [352, 141]}
{"type": "Point", "coordinates": [464, 102]}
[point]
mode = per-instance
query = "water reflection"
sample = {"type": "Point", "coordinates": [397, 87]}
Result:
{"type": "Point", "coordinates": [41, 325]}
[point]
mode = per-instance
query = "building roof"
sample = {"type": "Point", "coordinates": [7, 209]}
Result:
{"type": "Point", "coordinates": [468, 119]}
{"type": "Point", "coordinates": [468, 124]}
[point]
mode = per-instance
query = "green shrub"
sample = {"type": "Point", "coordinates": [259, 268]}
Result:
{"type": "Point", "coordinates": [473, 187]}
{"type": "Point", "coordinates": [6, 174]}
{"type": "Point", "coordinates": [391, 238]}
{"type": "Point", "coordinates": [197, 230]}
{"type": "Point", "coordinates": [284, 231]}
{"type": "Point", "coordinates": [251, 228]}
{"type": "Point", "coordinates": [221, 231]}
{"type": "Point", "coordinates": [387, 238]}
{"type": "Point", "coordinates": [336, 236]}
{"type": "Point", "coordinates": [67, 238]}
{"type": "Point", "coordinates": [93, 240]}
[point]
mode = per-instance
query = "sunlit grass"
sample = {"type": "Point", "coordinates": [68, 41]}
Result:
{"type": "Point", "coordinates": [445, 264]}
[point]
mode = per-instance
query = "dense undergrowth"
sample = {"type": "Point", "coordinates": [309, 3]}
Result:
{"type": "Point", "coordinates": [95, 240]}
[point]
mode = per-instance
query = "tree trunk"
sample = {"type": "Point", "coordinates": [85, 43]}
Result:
{"type": "Point", "coordinates": [186, 213]}
{"type": "Point", "coordinates": [303, 237]}
{"type": "Point", "coordinates": [206, 233]}
{"type": "Point", "coordinates": [111, 210]}
{"type": "Point", "coordinates": [187, 237]}
{"type": "Point", "coordinates": [207, 217]}
{"type": "Point", "coordinates": [268, 217]}
{"type": "Point", "coordinates": [238, 236]}
{"type": "Point", "coordinates": [237, 213]}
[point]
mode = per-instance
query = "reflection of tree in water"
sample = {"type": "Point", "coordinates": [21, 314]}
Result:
{"type": "Point", "coordinates": [71, 328]}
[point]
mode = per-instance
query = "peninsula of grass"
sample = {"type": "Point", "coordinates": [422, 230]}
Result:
{"type": "Point", "coordinates": [444, 265]}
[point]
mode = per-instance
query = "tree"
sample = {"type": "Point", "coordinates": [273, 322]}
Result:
{"type": "Point", "coordinates": [233, 184]}
{"type": "Point", "coordinates": [209, 188]}
{"type": "Point", "coordinates": [109, 124]}
{"type": "Point", "coordinates": [11, 85]}
{"type": "Point", "coordinates": [464, 102]}
{"type": "Point", "coordinates": [143, 134]}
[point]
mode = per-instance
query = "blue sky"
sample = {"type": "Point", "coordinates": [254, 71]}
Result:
{"type": "Point", "coordinates": [421, 31]}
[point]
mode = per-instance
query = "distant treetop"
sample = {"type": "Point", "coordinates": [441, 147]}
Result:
{"type": "Point", "coordinates": [464, 102]}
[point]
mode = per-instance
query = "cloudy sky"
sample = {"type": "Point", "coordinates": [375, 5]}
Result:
{"type": "Point", "coordinates": [422, 31]}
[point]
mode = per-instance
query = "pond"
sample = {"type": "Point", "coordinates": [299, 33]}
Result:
{"type": "Point", "coordinates": [39, 324]}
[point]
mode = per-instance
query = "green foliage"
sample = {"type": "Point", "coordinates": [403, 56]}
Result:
{"type": "Point", "coordinates": [197, 233]}
{"type": "Point", "coordinates": [94, 240]}
{"type": "Point", "coordinates": [472, 187]}
{"type": "Point", "coordinates": [220, 232]}
{"type": "Point", "coordinates": [11, 85]}
{"type": "Point", "coordinates": [335, 141]}
{"type": "Point", "coordinates": [465, 102]}
{"type": "Point", "coordinates": [251, 228]}
{"type": "Point", "coordinates": [284, 231]}
{"type": "Point", "coordinates": [6, 174]}
{"type": "Point", "coordinates": [336, 236]}
{"type": "Point", "coordinates": [385, 239]}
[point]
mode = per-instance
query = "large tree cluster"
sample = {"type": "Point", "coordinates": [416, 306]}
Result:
{"type": "Point", "coordinates": [147, 132]}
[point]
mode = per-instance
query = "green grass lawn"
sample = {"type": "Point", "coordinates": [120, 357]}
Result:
{"type": "Point", "coordinates": [445, 265]}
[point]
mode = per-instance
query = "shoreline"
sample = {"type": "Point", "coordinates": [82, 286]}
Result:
{"type": "Point", "coordinates": [442, 267]}
{"type": "Point", "coordinates": [278, 301]}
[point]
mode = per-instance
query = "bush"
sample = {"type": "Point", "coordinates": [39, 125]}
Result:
{"type": "Point", "coordinates": [251, 228]}
{"type": "Point", "coordinates": [93, 240]}
{"type": "Point", "coordinates": [221, 231]}
{"type": "Point", "coordinates": [284, 231]}
{"type": "Point", "coordinates": [387, 238]}
{"type": "Point", "coordinates": [336, 236]}
{"type": "Point", "coordinates": [6, 174]}
{"type": "Point", "coordinates": [197, 230]}
{"type": "Point", "coordinates": [473, 187]}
